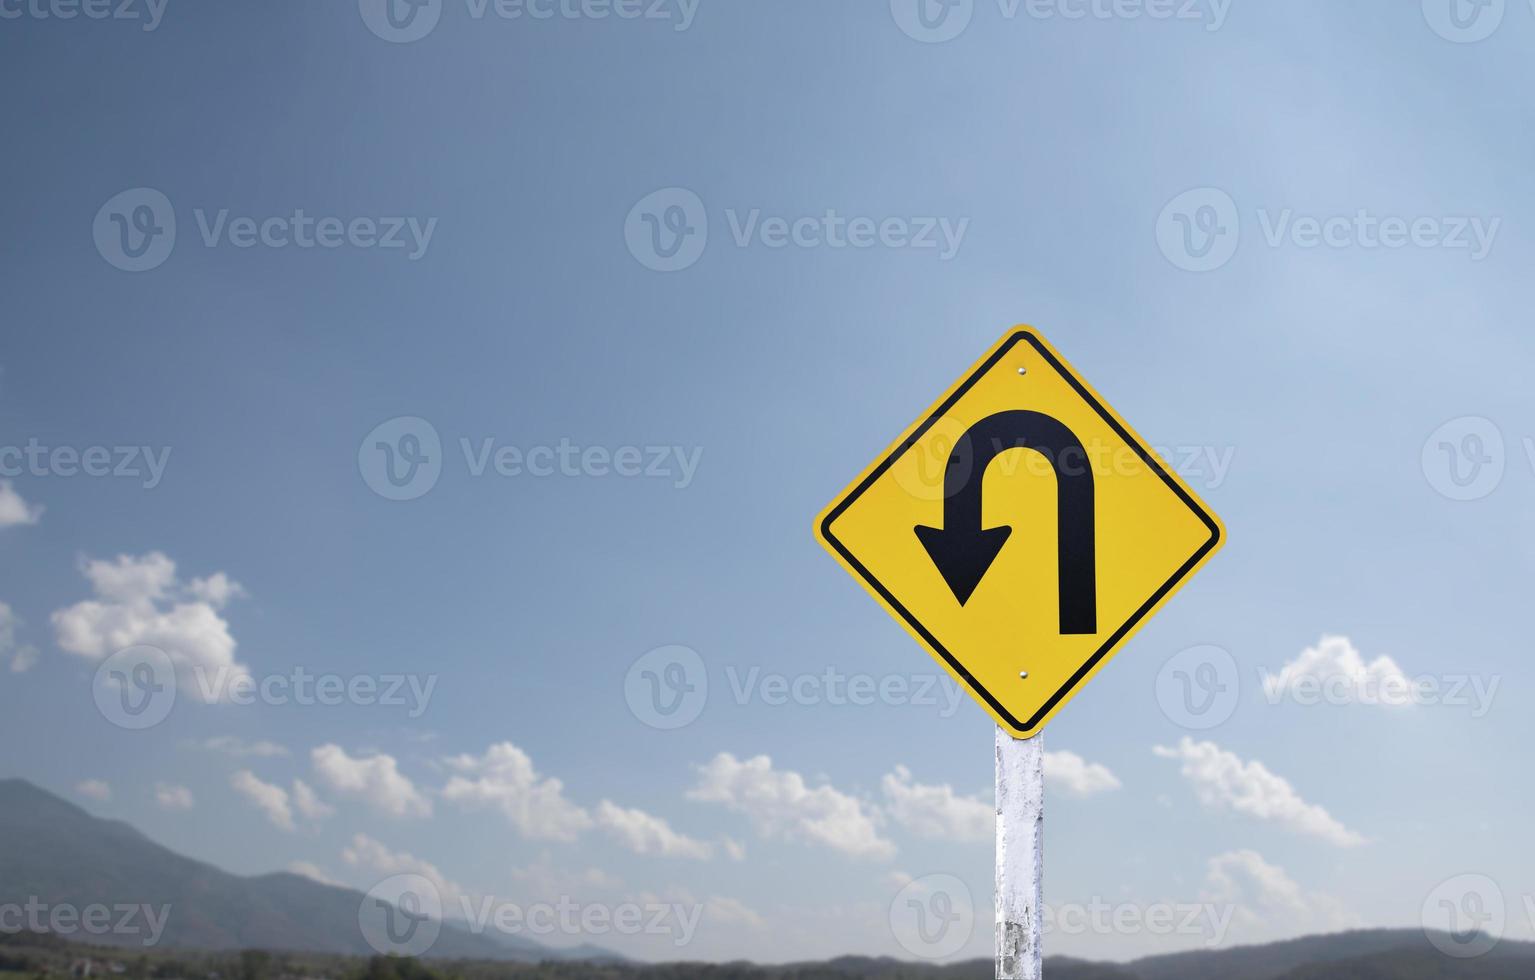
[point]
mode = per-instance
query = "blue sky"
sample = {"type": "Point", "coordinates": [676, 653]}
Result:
{"type": "Point", "coordinates": [1051, 159]}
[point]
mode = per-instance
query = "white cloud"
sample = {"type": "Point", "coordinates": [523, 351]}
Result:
{"type": "Point", "coordinates": [279, 804]}
{"type": "Point", "coordinates": [95, 789]}
{"type": "Point", "coordinates": [140, 601]}
{"type": "Point", "coordinates": [14, 510]}
{"type": "Point", "coordinates": [504, 777]}
{"type": "Point", "coordinates": [1074, 775]}
{"type": "Point", "coordinates": [780, 804]}
{"type": "Point", "coordinates": [1222, 780]}
{"type": "Point", "coordinates": [369, 855]}
{"type": "Point", "coordinates": [270, 799]}
{"type": "Point", "coordinates": [172, 797]}
{"type": "Point", "coordinates": [239, 748]}
{"type": "Point", "coordinates": [308, 804]}
{"type": "Point", "coordinates": [129, 579]}
{"type": "Point", "coordinates": [21, 657]}
{"type": "Point", "coordinates": [1334, 671]}
{"type": "Point", "coordinates": [1266, 902]}
{"type": "Point", "coordinates": [314, 873]}
{"type": "Point", "coordinates": [734, 849]}
{"type": "Point", "coordinates": [216, 590]}
{"type": "Point", "coordinates": [24, 659]}
{"type": "Point", "coordinates": [375, 779]}
{"type": "Point", "coordinates": [643, 833]}
{"type": "Point", "coordinates": [937, 812]}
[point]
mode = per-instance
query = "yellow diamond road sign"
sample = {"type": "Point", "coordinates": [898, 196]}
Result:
{"type": "Point", "coordinates": [1020, 531]}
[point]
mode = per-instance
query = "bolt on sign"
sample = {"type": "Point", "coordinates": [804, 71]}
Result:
{"type": "Point", "coordinates": [1021, 531]}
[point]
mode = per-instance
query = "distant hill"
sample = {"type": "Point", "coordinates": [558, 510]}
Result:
{"type": "Point", "coordinates": [1415, 965]}
{"type": "Point", "coordinates": [1333, 957]}
{"type": "Point", "coordinates": [1274, 960]}
{"type": "Point", "coordinates": [1364, 955]}
{"type": "Point", "coordinates": [57, 852]}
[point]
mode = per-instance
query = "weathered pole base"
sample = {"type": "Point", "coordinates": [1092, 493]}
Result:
{"type": "Point", "coordinates": [1020, 855]}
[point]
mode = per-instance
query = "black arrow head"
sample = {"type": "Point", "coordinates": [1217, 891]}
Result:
{"type": "Point", "coordinates": [963, 557]}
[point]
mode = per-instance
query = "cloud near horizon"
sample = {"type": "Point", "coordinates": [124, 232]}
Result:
{"type": "Point", "coordinates": [780, 804]}
{"type": "Point", "coordinates": [1222, 781]}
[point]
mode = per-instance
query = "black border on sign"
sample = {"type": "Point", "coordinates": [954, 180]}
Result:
{"type": "Point", "coordinates": [1148, 457]}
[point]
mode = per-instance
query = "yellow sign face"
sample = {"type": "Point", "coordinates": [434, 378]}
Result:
{"type": "Point", "coordinates": [1020, 531]}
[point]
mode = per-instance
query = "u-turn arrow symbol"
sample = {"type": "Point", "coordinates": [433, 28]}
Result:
{"type": "Point", "coordinates": [963, 550]}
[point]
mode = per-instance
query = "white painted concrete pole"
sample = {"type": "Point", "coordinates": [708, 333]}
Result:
{"type": "Point", "coordinates": [1020, 854]}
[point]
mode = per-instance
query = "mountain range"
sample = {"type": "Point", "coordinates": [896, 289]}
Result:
{"type": "Point", "coordinates": [54, 852]}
